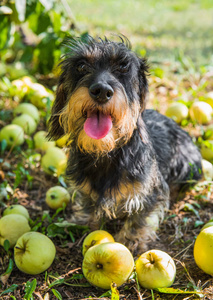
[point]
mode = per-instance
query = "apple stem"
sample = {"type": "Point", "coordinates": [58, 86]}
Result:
{"type": "Point", "coordinates": [151, 258]}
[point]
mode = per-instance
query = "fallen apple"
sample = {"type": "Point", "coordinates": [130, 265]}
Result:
{"type": "Point", "coordinates": [207, 168]}
{"type": "Point", "coordinates": [12, 227]}
{"type": "Point", "coordinates": [95, 238]}
{"type": "Point", "coordinates": [177, 111]}
{"type": "Point", "coordinates": [106, 263]}
{"type": "Point", "coordinates": [16, 209]}
{"type": "Point", "coordinates": [34, 253]}
{"type": "Point", "coordinates": [26, 122]}
{"type": "Point", "coordinates": [208, 224]}
{"type": "Point", "coordinates": [62, 141]}
{"type": "Point", "coordinates": [206, 150]}
{"type": "Point", "coordinates": [13, 134]}
{"type": "Point", "coordinates": [203, 250]}
{"type": "Point", "coordinates": [52, 159]}
{"type": "Point", "coordinates": [201, 112]}
{"type": "Point", "coordinates": [39, 95]}
{"type": "Point", "coordinates": [41, 142]}
{"type": "Point", "coordinates": [57, 196]}
{"type": "Point", "coordinates": [29, 109]}
{"type": "Point", "coordinates": [18, 88]}
{"type": "Point", "coordinates": [209, 132]}
{"type": "Point", "coordinates": [155, 269]}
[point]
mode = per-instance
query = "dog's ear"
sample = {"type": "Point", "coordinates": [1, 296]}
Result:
{"type": "Point", "coordinates": [55, 131]}
{"type": "Point", "coordinates": [143, 81]}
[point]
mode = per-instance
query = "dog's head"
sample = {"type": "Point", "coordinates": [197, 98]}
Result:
{"type": "Point", "coordinates": [100, 96]}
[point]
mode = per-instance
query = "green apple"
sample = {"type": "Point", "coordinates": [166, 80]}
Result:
{"type": "Point", "coordinates": [56, 196]}
{"type": "Point", "coordinates": [52, 160]}
{"type": "Point", "coordinates": [177, 111]}
{"type": "Point", "coordinates": [12, 227]}
{"type": "Point", "coordinates": [203, 250]}
{"type": "Point", "coordinates": [41, 142]}
{"type": "Point", "coordinates": [95, 238]}
{"type": "Point", "coordinates": [39, 94]}
{"type": "Point", "coordinates": [26, 122]}
{"type": "Point", "coordinates": [209, 132]}
{"type": "Point", "coordinates": [18, 88]}
{"type": "Point", "coordinates": [201, 112]}
{"type": "Point", "coordinates": [207, 168]}
{"type": "Point", "coordinates": [34, 253]}
{"type": "Point", "coordinates": [106, 263]}
{"type": "Point", "coordinates": [13, 134]}
{"type": "Point", "coordinates": [29, 109]}
{"type": "Point", "coordinates": [206, 150]}
{"type": "Point", "coordinates": [155, 269]}
{"type": "Point", "coordinates": [16, 209]}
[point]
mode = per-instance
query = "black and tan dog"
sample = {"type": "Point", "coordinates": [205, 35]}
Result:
{"type": "Point", "coordinates": [124, 159]}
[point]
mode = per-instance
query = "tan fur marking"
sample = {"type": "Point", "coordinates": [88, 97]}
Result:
{"type": "Point", "coordinates": [124, 117]}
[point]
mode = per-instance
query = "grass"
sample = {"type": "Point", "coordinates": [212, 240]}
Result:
{"type": "Point", "coordinates": [156, 28]}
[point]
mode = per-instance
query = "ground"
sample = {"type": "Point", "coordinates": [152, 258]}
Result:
{"type": "Point", "coordinates": [176, 234]}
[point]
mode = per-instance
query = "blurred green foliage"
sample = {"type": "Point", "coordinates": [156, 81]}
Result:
{"type": "Point", "coordinates": [32, 32]}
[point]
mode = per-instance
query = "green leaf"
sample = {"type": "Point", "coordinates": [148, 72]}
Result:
{"type": "Point", "coordinates": [6, 245]}
{"type": "Point", "coordinates": [175, 291]}
{"type": "Point", "coordinates": [189, 207]}
{"type": "Point", "coordinates": [57, 294]}
{"type": "Point", "coordinates": [11, 289]}
{"type": "Point", "coordinates": [9, 268]}
{"type": "Point", "coordinates": [29, 289]}
{"type": "Point", "coordinates": [198, 223]}
{"type": "Point", "coordinates": [5, 27]}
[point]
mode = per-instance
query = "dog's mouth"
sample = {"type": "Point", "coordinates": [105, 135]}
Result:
{"type": "Point", "coordinates": [97, 124]}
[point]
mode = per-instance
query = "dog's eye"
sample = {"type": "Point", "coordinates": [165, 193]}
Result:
{"type": "Point", "coordinates": [82, 68]}
{"type": "Point", "coordinates": [123, 68]}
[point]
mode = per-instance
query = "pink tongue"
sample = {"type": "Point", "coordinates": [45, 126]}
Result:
{"type": "Point", "coordinates": [97, 125]}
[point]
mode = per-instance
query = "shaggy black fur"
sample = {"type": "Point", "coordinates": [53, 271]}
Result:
{"type": "Point", "coordinates": [131, 181]}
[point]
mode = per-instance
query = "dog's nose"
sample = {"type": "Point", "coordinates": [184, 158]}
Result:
{"type": "Point", "coordinates": [101, 92]}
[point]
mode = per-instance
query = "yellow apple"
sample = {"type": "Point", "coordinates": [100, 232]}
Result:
{"type": "Point", "coordinates": [62, 141]}
{"type": "Point", "coordinates": [29, 109]}
{"type": "Point", "coordinates": [52, 159]}
{"type": "Point", "coordinates": [207, 168]}
{"type": "Point", "coordinates": [56, 196]}
{"type": "Point", "coordinates": [203, 250]}
{"type": "Point", "coordinates": [16, 209]}
{"type": "Point", "coordinates": [95, 238]}
{"type": "Point", "coordinates": [206, 150]}
{"type": "Point", "coordinates": [13, 134]}
{"type": "Point", "coordinates": [106, 263]}
{"type": "Point", "coordinates": [26, 122]}
{"type": "Point", "coordinates": [201, 112]}
{"type": "Point", "coordinates": [41, 142]}
{"type": "Point", "coordinates": [208, 224]}
{"type": "Point", "coordinates": [34, 253]}
{"type": "Point", "coordinates": [177, 111]}
{"type": "Point", "coordinates": [155, 269]}
{"type": "Point", "coordinates": [12, 227]}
